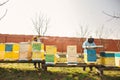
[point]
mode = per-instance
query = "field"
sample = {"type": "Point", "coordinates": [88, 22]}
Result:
{"type": "Point", "coordinates": [25, 71]}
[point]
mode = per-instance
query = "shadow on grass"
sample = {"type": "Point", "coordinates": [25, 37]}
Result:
{"type": "Point", "coordinates": [107, 77]}
{"type": "Point", "coordinates": [17, 74]}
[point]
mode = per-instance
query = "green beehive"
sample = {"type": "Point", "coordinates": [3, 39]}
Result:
{"type": "Point", "coordinates": [50, 57]}
{"type": "Point", "coordinates": [37, 51]}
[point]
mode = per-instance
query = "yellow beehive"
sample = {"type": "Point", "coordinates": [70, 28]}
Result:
{"type": "Point", "coordinates": [110, 58]}
{"type": "Point", "coordinates": [8, 56]}
{"type": "Point", "coordinates": [2, 51]}
{"type": "Point", "coordinates": [16, 47]}
{"type": "Point", "coordinates": [11, 51]}
{"type": "Point", "coordinates": [38, 56]}
{"type": "Point", "coordinates": [2, 47]}
{"type": "Point", "coordinates": [108, 61]}
{"type": "Point", "coordinates": [2, 55]}
{"type": "Point", "coordinates": [8, 51]}
{"type": "Point", "coordinates": [15, 52]}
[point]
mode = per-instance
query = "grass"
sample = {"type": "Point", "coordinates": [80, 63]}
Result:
{"type": "Point", "coordinates": [24, 71]}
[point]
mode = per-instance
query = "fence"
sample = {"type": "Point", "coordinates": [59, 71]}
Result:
{"type": "Point", "coordinates": [62, 42]}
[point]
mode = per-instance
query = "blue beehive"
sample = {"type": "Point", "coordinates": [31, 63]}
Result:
{"type": "Point", "coordinates": [90, 55]}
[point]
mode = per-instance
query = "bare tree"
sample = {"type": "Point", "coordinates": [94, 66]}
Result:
{"type": "Point", "coordinates": [103, 32]}
{"type": "Point", "coordinates": [40, 24]}
{"type": "Point", "coordinates": [111, 31]}
{"type": "Point", "coordinates": [1, 4]}
{"type": "Point", "coordinates": [99, 32]}
{"type": "Point", "coordinates": [117, 42]}
{"type": "Point", "coordinates": [83, 32]}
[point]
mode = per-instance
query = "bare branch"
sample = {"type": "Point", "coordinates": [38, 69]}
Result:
{"type": "Point", "coordinates": [1, 4]}
{"type": "Point", "coordinates": [4, 3]}
{"type": "Point", "coordinates": [3, 15]}
{"type": "Point", "coordinates": [47, 22]}
{"type": "Point", "coordinates": [113, 16]}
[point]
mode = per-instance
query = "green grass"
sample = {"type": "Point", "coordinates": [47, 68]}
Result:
{"type": "Point", "coordinates": [24, 71]}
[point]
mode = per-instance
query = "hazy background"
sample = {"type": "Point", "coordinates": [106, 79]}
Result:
{"type": "Point", "coordinates": [65, 16]}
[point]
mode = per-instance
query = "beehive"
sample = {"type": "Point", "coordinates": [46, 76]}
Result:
{"type": "Point", "coordinates": [110, 58]}
{"type": "Point", "coordinates": [72, 54]}
{"type": "Point", "coordinates": [15, 52]}
{"type": "Point", "coordinates": [50, 57]}
{"type": "Point", "coordinates": [37, 51]}
{"type": "Point", "coordinates": [90, 55]}
{"type": "Point", "coordinates": [117, 59]}
{"type": "Point", "coordinates": [108, 61]}
{"type": "Point", "coordinates": [8, 51]}
{"type": "Point", "coordinates": [2, 51]}
{"type": "Point", "coordinates": [25, 51]}
{"type": "Point", "coordinates": [11, 51]}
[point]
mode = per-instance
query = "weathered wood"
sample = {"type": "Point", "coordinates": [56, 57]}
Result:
{"type": "Point", "coordinates": [71, 65]}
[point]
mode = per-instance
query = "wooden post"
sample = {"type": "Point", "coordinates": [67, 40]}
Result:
{"type": "Point", "coordinates": [44, 67]}
{"type": "Point", "coordinates": [100, 71]}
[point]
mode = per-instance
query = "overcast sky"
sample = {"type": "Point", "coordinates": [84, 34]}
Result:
{"type": "Point", "coordinates": [65, 16]}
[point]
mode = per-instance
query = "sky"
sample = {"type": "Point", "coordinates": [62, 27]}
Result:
{"type": "Point", "coordinates": [66, 17]}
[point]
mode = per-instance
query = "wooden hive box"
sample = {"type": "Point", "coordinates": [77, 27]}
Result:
{"type": "Point", "coordinates": [2, 51]}
{"type": "Point", "coordinates": [90, 56]}
{"type": "Point", "coordinates": [107, 58]}
{"type": "Point", "coordinates": [25, 51]}
{"type": "Point", "coordinates": [37, 51]}
{"type": "Point", "coordinates": [72, 57]}
{"type": "Point", "coordinates": [50, 56]}
{"type": "Point", "coordinates": [8, 51]}
{"type": "Point", "coordinates": [117, 59]}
